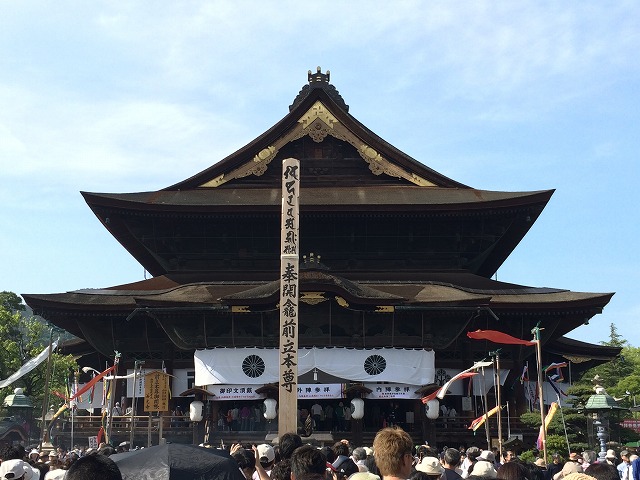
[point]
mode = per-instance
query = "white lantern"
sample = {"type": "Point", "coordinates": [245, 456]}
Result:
{"type": "Point", "coordinates": [195, 411]}
{"type": "Point", "coordinates": [270, 409]}
{"type": "Point", "coordinates": [357, 408]}
{"type": "Point", "coordinates": [432, 409]}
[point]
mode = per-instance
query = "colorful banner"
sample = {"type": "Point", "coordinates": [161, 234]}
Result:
{"type": "Point", "coordinates": [547, 420]}
{"type": "Point", "coordinates": [478, 422]}
{"type": "Point", "coordinates": [498, 337]}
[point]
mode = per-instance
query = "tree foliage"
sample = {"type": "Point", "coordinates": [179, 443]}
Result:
{"type": "Point", "coordinates": [21, 339]}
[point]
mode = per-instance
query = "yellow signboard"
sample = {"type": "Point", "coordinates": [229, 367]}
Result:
{"type": "Point", "coordinates": [156, 392]}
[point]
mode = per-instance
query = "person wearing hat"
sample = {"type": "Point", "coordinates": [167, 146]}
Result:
{"type": "Point", "coordinates": [484, 469]}
{"type": "Point", "coordinates": [431, 467]}
{"type": "Point", "coordinates": [265, 458]}
{"type": "Point", "coordinates": [569, 467]}
{"type": "Point", "coordinates": [343, 467]}
{"type": "Point", "coordinates": [611, 457]}
{"type": "Point", "coordinates": [17, 470]}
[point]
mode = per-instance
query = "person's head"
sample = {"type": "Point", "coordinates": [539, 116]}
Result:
{"type": "Point", "coordinates": [473, 453]}
{"type": "Point", "coordinates": [512, 471]}
{"type": "Point", "coordinates": [509, 455]}
{"type": "Point", "coordinates": [431, 467]}
{"type": "Point", "coordinates": [246, 461]}
{"type": "Point", "coordinates": [94, 467]}
{"type": "Point", "coordinates": [483, 469]}
{"type": "Point", "coordinates": [340, 448]}
{"type": "Point", "coordinates": [288, 443]}
{"type": "Point", "coordinates": [281, 470]}
{"type": "Point", "coordinates": [589, 456]}
{"type": "Point", "coordinates": [602, 471]}
{"type": "Point", "coordinates": [569, 467]}
{"type": "Point", "coordinates": [624, 456]}
{"type": "Point", "coordinates": [307, 459]}
{"type": "Point", "coordinates": [12, 452]}
{"type": "Point", "coordinates": [266, 454]}
{"type": "Point", "coordinates": [452, 457]}
{"type": "Point", "coordinates": [393, 451]}
{"type": "Point", "coordinates": [16, 469]}
{"type": "Point", "coordinates": [359, 453]}
{"type": "Point", "coordinates": [344, 467]}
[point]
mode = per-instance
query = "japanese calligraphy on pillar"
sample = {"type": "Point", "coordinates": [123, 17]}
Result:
{"type": "Point", "coordinates": [289, 263]}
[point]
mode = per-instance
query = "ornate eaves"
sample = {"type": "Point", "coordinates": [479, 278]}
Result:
{"type": "Point", "coordinates": [318, 122]}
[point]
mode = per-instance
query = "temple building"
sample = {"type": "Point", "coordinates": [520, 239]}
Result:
{"type": "Point", "coordinates": [396, 267]}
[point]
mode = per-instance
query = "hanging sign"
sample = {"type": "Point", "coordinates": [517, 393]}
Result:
{"type": "Point", "coordinates": [392, 390]}
{"type": "Point", "coordinates": [156, 388]}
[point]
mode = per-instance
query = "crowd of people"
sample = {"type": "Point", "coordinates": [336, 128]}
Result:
{"type": "Point", "coordinates": [393, 456]}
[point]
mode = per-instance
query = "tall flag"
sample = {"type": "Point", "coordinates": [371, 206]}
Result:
{"type": "Point", "coordinates": [547, 420]}
{"type": "Point", "coordinates": [525, 373]}
{"type": "Point", "coordinates": [28, 366]}
{"type": "Point", "coordinates": [92, 382]}
{"type": "Point", "coordinates": [498, 337]}
{"type": "Point", "coordinates": [478, 422]}
{"type": "Point", "coordinates": [558, 376]}
{"type": "Point", "coordinates": [555, 388]}
{"type": "Point", "coordinates": [469, 372]}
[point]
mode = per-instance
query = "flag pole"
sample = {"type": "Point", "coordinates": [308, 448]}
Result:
{"type": "Point", "coordinates": [496, 354]}
{"type": "Point", "coordinates": [536, 333]}
{"type": "Point", "coordinates": [486, 405]}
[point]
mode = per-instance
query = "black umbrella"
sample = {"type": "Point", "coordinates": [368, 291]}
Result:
{"type": "Point", "coordinates": [175, 461]}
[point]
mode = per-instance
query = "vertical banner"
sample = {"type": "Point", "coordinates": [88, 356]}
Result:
{"type": "Point", "coordinates": [289, 266]}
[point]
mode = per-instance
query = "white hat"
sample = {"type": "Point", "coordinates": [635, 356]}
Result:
{"type": "Point", "coordinates": [11, 469]}
{"type": "Point", "coordinates": [488, 455]}
{"type": "Point", "coordinates": [482, 468]}
{"type": "Point", "coordinates": [430, 466]}
{"type": "Point", "coordinates": [610, 454]}
{"type": "Point", "coordinates": [569, 468]}
{"type": "Point", "coordinates": [364, 476]}
{"type": "Point", "coordinates": [266, 452]}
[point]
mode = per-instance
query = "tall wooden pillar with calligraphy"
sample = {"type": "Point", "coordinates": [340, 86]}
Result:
{"type": "Point", "coordinates": [289, 269]}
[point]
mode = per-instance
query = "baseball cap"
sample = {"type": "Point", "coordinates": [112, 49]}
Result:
{"type": "Point", "coordinates": [345, 466]}
{"type": "Point", "coordinates": [266, 453]}
{"type": "Point", "coordinates": [10, 469]}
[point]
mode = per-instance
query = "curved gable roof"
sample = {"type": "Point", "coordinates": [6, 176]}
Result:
{"type": "Point", "coordinates": [318, 114]}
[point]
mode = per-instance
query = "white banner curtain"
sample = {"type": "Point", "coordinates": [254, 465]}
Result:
{"type": "Point", "coordinates": [259, 366]}
{"type": "Point", "coordinates": [29, 365]}
{"type": "Point", "coordinates": [488, 381]}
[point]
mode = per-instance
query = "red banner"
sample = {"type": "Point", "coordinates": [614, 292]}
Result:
{"type": "Point", "coordinates": [498, 337]}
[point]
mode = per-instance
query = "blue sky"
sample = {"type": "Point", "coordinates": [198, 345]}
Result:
{"type": "Point", "coordinates": [135, 96]}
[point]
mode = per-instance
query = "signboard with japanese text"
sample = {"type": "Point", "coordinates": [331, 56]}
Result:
{"type": "Point", "coordinates": [392, 390]}
{"type": "Point", "coordinates": [156, 387]}
{"type": "Point", "coordinates": [289, 268]}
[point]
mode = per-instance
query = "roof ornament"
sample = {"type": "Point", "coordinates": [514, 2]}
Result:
{"type": "Point", "coordinates": [312, 262]}
{"type": "Point", "coordinates": [319, 80]}
{"type": "Point", "coordinates": [318, 77]}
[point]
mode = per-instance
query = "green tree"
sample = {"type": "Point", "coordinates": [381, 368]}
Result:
{"type": "Point", "coordinates": [21, 339]}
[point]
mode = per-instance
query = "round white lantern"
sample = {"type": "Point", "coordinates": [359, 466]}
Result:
{"type": "Point", "coordinates": [357, 408]}
{"type": "Point", "coordinates": [270, 409]}
{"type": "Point", "coordinates": [195, 411]}
{"type": "Point", "coordinates": [432, 409]}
